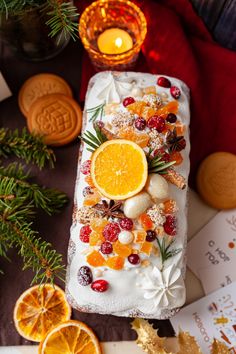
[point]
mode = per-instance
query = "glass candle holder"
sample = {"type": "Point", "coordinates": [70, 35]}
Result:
{"type": "Point", "coordinates": [119, 15]}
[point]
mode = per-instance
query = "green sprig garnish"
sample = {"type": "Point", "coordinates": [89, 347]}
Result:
{"type": "Point", "coordinates": [157, 165]}
{"type": "Point", "coordinates": [96, 112]}
{"type": "Point", "coordinates": [94, 140]}
{"type": "Point", "coordinates": [166, 251]}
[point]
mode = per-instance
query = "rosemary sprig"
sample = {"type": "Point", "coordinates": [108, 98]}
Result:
{"type": "Point", "coordinates": [96, 112]}
{"type": "Point", "coordinates": [165, 250]}
{"type": "Point", "coordinates": [94, 140]}
{"type": "Point", "coordinates": [157, 165]}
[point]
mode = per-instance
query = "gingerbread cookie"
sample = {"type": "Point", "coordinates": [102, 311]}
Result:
{"type": "Point", "coordinates": [216, 180]}
{"type": "Point", "coordinates": [38, 86]}
{"type": "Point", "coordinates": [57, 117]}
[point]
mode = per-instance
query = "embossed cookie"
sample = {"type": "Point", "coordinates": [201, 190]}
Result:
{"type": "Point", "coordinates": [216, 180]}
{"type": "Point", "coordinates": [57, 117]}
{"type": "Point", "coordinates": [38, 86]}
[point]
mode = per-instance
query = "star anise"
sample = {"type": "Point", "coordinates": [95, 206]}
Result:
{"type": "Point", "coordinates": [110, 210]}
{"type": "Point", "coordinates": [175, 142]}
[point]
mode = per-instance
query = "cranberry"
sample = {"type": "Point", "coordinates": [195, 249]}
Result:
{"type": "Point", "coordinates": [126, 224]}
{"type": "Point", "coordinates": [128, 100]}
{"type": "Point", "coordinates": [151, 235]}
{"type": "Point", "coordinates": [157, 122]}
{"type": "Point", "coordinates": [87, 190]}
{"type": "Point", "coordinates": [170, 225]}
{"type": "Point", "coordinates": [85, 231]}
{"type": "Point", "coordinates": [100, 285]}
{"type": "Point", "coordinates": [85, 276]}
{"type": "Point", "coordinates": [175, 92]}
{"type": "Point", "coordinates": [85, 167]}
{"type": "Point", "coordinates": [163, 82]}
{"type": "Point", "coordinates": [134, 258]}
{"type": "Point", "coordinates": [106, 247]}
{"type": "Point", "coordinates": [140, 123]}
{"type": "Point", "coordinates": [111, 231]}
{"type": "Point", "coordinates": [171, 118]}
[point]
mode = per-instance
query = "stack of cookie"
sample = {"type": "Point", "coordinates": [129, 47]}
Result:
{"type": "Point", "coordinates": [46, 102]}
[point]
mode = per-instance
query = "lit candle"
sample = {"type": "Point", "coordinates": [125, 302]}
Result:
{"type": "Point", "coordinates": [114, 41]}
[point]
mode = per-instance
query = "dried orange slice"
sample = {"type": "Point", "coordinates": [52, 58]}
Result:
{"type": "Point", "coordinates": [70, 337]}
{"type": "Point", "coordinates": [119, 169]}
{"type": "Point", "coordinates": [128, 134]}
{"type": "Point", "coordinates": [39, 309]}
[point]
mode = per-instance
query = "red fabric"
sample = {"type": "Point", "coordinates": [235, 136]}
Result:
{"type": "Point", "coordinates": [178, 44]}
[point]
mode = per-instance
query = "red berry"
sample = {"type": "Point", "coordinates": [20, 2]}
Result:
{"type": "Point", "coordinates": [175, 92]}
{"type": "Point", "coordinates": [170, 225]}
{"type": "Point", "coordinates": [128, 100]}
{"type": "Point", "coordinates": [85, 231]}
{"type": "Point", "coordinates": [85, 167]}
{"type": "Point", "coordinates": [126, 224]}
{"type": "Point", "coordinates": [85, 276]}
{"type": "Point", "coordinates": [157, 122]}
{"type": "Point", "coordinates": [171, 118]}
{"type": "Point", "coordinates": [163, 82]}
{"type": "Point", "coordinates": [100, 124]}
{"type": "Point", "coordinates": [111, 231]}
{"type": "Point", "coordinates": [140, 123]}
{"type": "Point", "coordinates": [165, 156]}
{"type": "Point", "coordinates": [134, 258]}
{"type": "Point", "coordinates": [151, 235]}
{"type": "Point", "coordinates": [100, 285]}
{"type": "Point", "coordinates": [106, 247]}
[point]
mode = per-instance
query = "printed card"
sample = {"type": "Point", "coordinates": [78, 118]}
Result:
{"type": "Point", "coordinates": [212, 252]}
{"type": "Point", "coordinates": [213, 316]}
{"type": "Point", "coordinates": [4, 89]}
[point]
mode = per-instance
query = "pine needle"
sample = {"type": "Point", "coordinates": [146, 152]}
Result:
{"type": "Point", "coordinates": [26, 146]}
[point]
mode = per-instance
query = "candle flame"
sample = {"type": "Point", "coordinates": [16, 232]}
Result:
{"type": "Point", "coordinates": [118, 42]}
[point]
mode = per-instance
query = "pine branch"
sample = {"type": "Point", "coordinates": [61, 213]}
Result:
{"type": "Point", "coordinates": [157, 165]}
{"type": "Point", "coordinates": [36, 253]}
{"type": "Point", "coordinates": [96, 112]}
{"type": "Point", "coordinates": [63, 16]}
{"type": "Point", "coordinates": [165, 249]}
{"type": "Point", "coordinates": [50, 200]}
{"type": "Point", "coordinates": [26, 146]}
{"type": "Point", "coordinates": [94, 140]}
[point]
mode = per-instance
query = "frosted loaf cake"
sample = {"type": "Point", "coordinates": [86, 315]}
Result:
{"type": "Point", "coordinates": [126, 252]}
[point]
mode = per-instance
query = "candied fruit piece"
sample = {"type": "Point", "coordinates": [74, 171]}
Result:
{"type": "Point", "coordinates": [98, 225]}
{"type": "Point", "coordinates": [121, 249]}
{"type": "Point", "coordinates": [95, 259]}
{"type": "Point", "coordinates": [148, 112]}
{"type": "Point", "coordinates": [129, 134]}
{"type": "Point", "coordinates": [146, 222]}
{"type": "Point", "coordinates": [150, 90]}
{"type": "Point", "coordinates": [116, 262]}
{"type": "Point", "coordinates": [177, 157]}
{"type": "Point", "coordinates": [171, 107]}
{"type": "Point", "coordinates": [92, 199]}
{"type": "Point", "coordinates": [88, 179]}
{"type": "Point", "coordinates": [170, 206]}
{"type": "Point", "coordinates": [139, 236]}
{"type": "Point", "coordinates": [96, 239]}
{"type": "Point", "coordinates": [136, 107]}
{"type": "Point", "coordinates": [146, 247]}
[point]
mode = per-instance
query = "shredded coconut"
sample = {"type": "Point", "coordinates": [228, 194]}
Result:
{"type": "Point", "coordinates": [156, 141]}
{"type": "Point", "coordinates": [86, 214]}
{"type": "Point", "coordinates": [156, 214]}
{"type": "Point", "coordinates": [152, 100]}
{"type": "Point", "coordinates": [122, 119]}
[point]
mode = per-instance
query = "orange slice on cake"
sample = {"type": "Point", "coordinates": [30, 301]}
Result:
{"type": "Point", "coordinates": [119, 169]}
{"type": "Point", "coordinates": [39, 309]}
{"type": "Point", "coordinates": [70, 337]}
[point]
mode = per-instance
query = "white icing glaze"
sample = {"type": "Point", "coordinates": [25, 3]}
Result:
{"type": "Point", "coordinates": [123, 297]}
{"type": "Point", "coordinates": [163, 287]}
